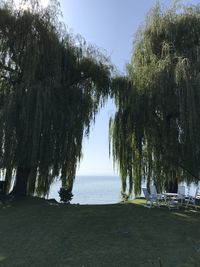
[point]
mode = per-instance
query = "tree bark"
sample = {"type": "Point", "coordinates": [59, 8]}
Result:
{"type": "Point", "coordinates": [172, 186]}
{"type": "Point", "coordinates": [20, 187]}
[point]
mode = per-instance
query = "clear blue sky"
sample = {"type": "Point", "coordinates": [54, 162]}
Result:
{"type": "Point", "coordinates": [111, 25]}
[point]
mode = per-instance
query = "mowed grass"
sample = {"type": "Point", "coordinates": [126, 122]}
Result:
{"type": "Point", "coordinates": [38, 233]}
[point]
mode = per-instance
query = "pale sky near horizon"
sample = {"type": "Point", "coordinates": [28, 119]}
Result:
{"type": "Point", "coordinates": [111, 25]}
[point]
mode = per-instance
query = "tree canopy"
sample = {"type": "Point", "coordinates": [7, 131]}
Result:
{"type": "Point", "coordinates": [51, 86]}
{"type": "Point", "coordinates": [155, 134]}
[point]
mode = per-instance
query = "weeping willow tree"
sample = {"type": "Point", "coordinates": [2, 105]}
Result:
{"type": "Point", "coordinates": [51, 87]}
{"type": "Point", "coordinates": [155, 134]}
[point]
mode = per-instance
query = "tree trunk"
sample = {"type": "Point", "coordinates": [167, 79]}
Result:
{"type": "Point", "coordinates": [172, 186]}
{"type": "Point", "coordinates": [20, 187]}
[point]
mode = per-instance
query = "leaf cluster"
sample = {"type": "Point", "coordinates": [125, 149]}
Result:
{"type": "Point", "coordinates": [155, 134]}
{"type": "Point", "coordinates": [51, 87]}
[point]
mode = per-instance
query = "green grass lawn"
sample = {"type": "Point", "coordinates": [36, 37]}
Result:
{"type": "Point", "coordinates": [38, 233]}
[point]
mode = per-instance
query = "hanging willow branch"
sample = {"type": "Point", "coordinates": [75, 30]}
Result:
{"type": "Point", "coordinates": [158, 121]}
{"type": "Point", "coordinates": [50, 91]}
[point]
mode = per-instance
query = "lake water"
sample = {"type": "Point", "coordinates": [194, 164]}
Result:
{"type": "Point", "coordinates": [92, 190]}
{"type": "Point", "coordinates": [99, 190]}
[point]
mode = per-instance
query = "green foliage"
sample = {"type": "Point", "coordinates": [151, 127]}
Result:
{"type": "Point", "coordinates": [65, 195]}
{"type": "Point", "coordinates": [51, 86]}
{"type": "Point", "coordinates": [155, 134]}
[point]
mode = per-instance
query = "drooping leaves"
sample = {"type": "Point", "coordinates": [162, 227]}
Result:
{"type": "Point", "coordinates": [50, 91]}
{"type": "Point", "coordinates": [156, 132]}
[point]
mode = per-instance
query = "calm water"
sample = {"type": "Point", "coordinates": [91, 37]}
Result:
{"type": "Point", "coordinates": [92, 190]}
{"type": "Point", "coordinates": [99, 190]}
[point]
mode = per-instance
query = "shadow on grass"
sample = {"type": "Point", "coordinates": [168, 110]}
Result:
{"type": "Point", "coordinates": [38, 233]}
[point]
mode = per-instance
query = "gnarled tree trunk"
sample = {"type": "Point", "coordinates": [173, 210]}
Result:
{"type": "Point", "coordinates": [172, 186]}
{"type": "Point", "coordinates": [20, 187]}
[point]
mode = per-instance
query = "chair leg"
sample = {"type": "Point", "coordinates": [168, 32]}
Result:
{"type": "Point", "coordinates": [148, 205]}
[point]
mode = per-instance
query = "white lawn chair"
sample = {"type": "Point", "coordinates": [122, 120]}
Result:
{"type": "Point", "coordinates": [172, 203]}
{"type": "Point", "coordinates": [153, 192]}
{"type": "Point", "coordinates": [151, 199]}
{"type": "Point", "coordinates": [181, 194]}
{"type": "Point", "coordinates": [192, 199]}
